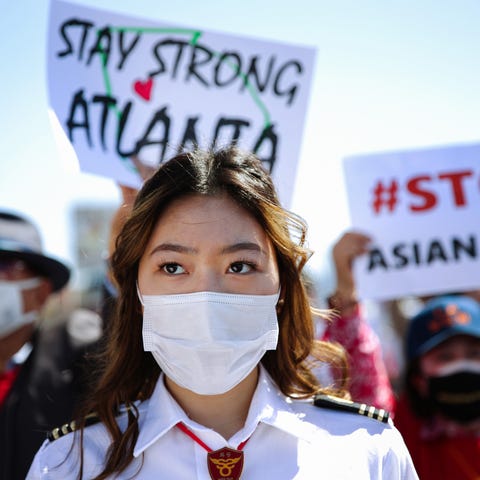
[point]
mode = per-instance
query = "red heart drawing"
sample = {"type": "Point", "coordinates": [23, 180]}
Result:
{"type": "Point", "coordinates": [144, 89]}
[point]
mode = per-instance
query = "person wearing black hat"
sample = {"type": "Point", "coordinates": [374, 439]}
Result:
{"type": "Point", "coordinates": [40, 368]}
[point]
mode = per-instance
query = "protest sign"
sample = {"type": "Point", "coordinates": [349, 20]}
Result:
{"type": "Point", "coordinates": [123, 87]}
{"type": "Point", "coordinates": [422, 208]}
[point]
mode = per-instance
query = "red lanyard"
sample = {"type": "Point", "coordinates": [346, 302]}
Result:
{"type": "Point", "coordinates": [6, 382]}
{"type": "Point", "coordinates": [223, 464]}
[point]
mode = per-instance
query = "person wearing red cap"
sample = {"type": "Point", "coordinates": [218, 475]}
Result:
{"type": "Point", "coordinates": [39, 367]}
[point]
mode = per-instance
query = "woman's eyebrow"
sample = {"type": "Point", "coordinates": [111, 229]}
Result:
{"type": "Point", "coordinates": [173, 247]}
{"type": "Point", "coordinates": [236, 247]}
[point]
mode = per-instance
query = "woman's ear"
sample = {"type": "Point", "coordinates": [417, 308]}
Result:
{"type": "Point", "coordinates": [280, 304]}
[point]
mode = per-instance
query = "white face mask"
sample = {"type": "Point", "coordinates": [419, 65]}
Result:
{"type": "Point", "coordinates": [11, 305]}
{"type": "Point", "coordinates": [209, 342]}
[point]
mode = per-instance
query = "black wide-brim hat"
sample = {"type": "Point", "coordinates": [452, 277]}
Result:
{"type": "Point", "coordinates": [19, 238]}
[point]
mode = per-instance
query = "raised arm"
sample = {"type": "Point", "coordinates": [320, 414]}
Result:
{"type": "Point", "coordinates": [369, 379]}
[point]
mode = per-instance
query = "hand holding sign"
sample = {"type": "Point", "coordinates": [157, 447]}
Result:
{"type": "Point", "coordinates": [128, 199]}
{"type": "Point", "coordinates": [422, 208]}
{"type": "Point", "coordinates": [351, 245]}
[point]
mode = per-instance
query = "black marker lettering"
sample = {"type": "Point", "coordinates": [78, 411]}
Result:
{"type": "Point", "coordinates": [376, 259]}
{"type": "Point", "coordinates": [180, 44]}
{"type": "Point", "coordinates": [79, 103]}
{"type": "Point", "coordinates": [458, 246]}
{"type": "Point", "coordinates": [106, 102]}
{"type": "Point", "coordinates": [102, 46]}
{"type": "Point", "coordinates": [235, 123]}
{"type": "Point", "coordinates": [291, 91]}
{"type": "Point", "coordinates": [162, 119]}
{"type": "Point", "coordinates": [269, 137]}
{"type": "Point", "coordinates": [233, 63]}
{"type": "Point", "coordinates": [121, 127]}
{"type": "Point", "coordinates": [416, 253]}
{"type": "Point", "coordinates": [436, 252]}
{"type": "Point", "coordinates": [85, 26]}
{"type": "Point", "coordinates": [399, 254]}
{"type": "Point", "coordinates": [125, 52]}
{"type": "Point", "coordinates": [196, 62]}
{"type": "Point", "coordinates": [253, 72]}
{"type": "Point", "coordinates": [190, 135]}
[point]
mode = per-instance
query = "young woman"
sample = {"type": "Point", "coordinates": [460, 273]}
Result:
{"type": "Point", "coordinates": [206, 370]}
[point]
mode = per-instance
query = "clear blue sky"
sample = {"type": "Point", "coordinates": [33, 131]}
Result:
{"type": "Point", "coordinates": [389, 75]}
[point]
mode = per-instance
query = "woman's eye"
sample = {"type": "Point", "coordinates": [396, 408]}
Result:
{"type": "Point", "coordinates": [241, 267]}
{"type": "Point", "coordinates": [172, 268]}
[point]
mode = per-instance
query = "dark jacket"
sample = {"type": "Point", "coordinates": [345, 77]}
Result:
{"type": "Point", "coordinates": [45, 394]}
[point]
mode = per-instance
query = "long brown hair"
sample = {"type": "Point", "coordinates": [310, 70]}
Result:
{"type": "Point", "coordinates": [130, 373]}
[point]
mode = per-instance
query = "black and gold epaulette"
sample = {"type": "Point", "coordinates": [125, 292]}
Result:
{"type": "Point", "coordinates": [335, 403]}
{"type": "Point", "coordinates": [58, 432]}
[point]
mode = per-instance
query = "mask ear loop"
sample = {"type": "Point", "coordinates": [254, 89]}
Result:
{"type": "Point", "coordinates": [280, 305]}
{"type": "Point", "coordinates": [280, 301]}
{"type": "Point", "coordinates": [139, 295]}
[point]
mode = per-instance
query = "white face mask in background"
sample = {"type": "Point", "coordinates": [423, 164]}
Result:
{"type": "Point", "coordinates": [209, 342]}
{"type": "Point", "coordinates": [11, 305]}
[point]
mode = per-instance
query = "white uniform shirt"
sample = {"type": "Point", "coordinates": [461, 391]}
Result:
{"type": "Point", "coordinates": [287, 440]}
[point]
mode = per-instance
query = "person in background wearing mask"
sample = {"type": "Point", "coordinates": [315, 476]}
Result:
{"type": "Point", "coordinates": [439, 415]}
{"type": "Point", "coordinates": [206, 373]}
{"type": "Point", "coordinates": [438, 409]}
{"type": "Point", "coordinates": [40, 374]}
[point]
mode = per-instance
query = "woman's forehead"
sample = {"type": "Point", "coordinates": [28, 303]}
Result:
{"type": "Point", "coordinates": [218, 217]}
{"type": "Point", "coordinates": [195, 209]}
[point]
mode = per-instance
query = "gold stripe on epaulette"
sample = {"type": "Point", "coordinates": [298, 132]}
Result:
{"type": "Point", "coordinates": [381, 414]}
{"type": "Point", "coordinates": [334, 403]}
{"type": "Point", "coordinates": [67, 428]}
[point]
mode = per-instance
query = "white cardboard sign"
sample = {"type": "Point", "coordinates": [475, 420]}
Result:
{"type": "Point", "coordinates": [124, 86]}
{"type": "Point", "coordinates": [422, 208]}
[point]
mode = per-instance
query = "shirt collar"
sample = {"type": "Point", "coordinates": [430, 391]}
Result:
{"type": "Point", "coordinates": [268, 406]}
{"type": "Point", "coordinates": [162, 413]}
{"type": "Point", "coordinates": [271, 407]}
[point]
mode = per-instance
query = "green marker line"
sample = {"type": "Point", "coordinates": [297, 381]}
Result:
{"type": "Point", "coordinates": [195, 36]}
{"type": "Point", "coordinates": [106, 78]}
{"type": "Point", "coordinates": [108, 91]}
{"type": "Point", "coordinates": [181, 31]}
{"type": "Point", "coordinates": [252, 91]}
